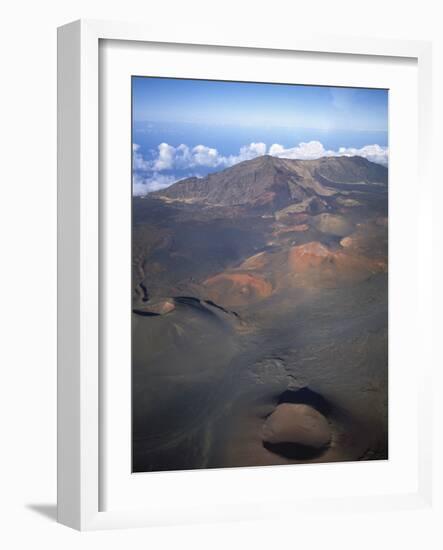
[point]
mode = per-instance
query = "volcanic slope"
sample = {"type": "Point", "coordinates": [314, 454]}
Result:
{"type": "Point", "coordinates": [275, 183]}
{"type": "Point", "coordinates": [261, 285]}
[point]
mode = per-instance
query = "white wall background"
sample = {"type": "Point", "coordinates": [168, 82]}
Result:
{"type": "Point", "coordinates": [28, 266]}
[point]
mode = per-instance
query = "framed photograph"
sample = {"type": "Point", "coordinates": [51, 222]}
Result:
{"type": "Point", "coordinates": [235, 285]}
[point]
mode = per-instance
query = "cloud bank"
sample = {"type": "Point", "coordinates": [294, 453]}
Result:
{"type": "Point", "coordinates": [143, 185]}
{"type": "Point", "coordinates": [148, 174]}
{"type": "Point", "coordinates": [184, 157]}
{"type": "Point", "coordinates": [315, 150]}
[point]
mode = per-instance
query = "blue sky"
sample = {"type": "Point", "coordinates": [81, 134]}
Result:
{"type": "Point", "coordinates": [193, 127]}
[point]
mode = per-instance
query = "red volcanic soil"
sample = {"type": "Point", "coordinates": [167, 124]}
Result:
{"type": "Point", "coordinates": [297, 423]}
{"type": "Point", "coordinates": [237, 289]}
{"type": "Point", "coordinates": [310, 265]}
{"type": "Point", "coordinates": [258, 261]}
{"type": "Point", "coordinates": [314, 264]}
{"type": "Point", "coordinates": [347, 242]}
{"type": "Point", "coordinates": [307, 256]}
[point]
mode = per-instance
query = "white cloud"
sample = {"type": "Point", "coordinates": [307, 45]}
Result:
{"type": "Point", "coordinates": [205, 156]}
{"type": "Point", "coordinates": [165, 159]}
{"type": "Point", "coordinates": [303, 151]}
{"type": "Point", "coordinates": [142, 186]}
{"type": "Point", "coordinates": [316, 150]}
{"type": "Point", "coordinates": [138, 162]}
{"type": "Point", "coordinates": [183, 157]}
{"type": "Point", "coordinates": [374, 153]}
{"type": "Point", "coordinates": [149, 177]}
{"type": "Point", "coordinates": [247, 152]}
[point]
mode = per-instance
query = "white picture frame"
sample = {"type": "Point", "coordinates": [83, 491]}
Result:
{"type": "Point", "coordinates": [79, 261]}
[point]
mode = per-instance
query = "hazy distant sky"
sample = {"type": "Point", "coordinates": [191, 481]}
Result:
{"type": "Point", "coordinates": [193, 127]}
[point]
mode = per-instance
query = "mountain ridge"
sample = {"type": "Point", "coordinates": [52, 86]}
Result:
{"type": "Point", "coordinates": [272, 182]}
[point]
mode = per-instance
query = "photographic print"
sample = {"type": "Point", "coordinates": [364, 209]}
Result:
{"type": "Point", "coordinates": [259, 274]}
